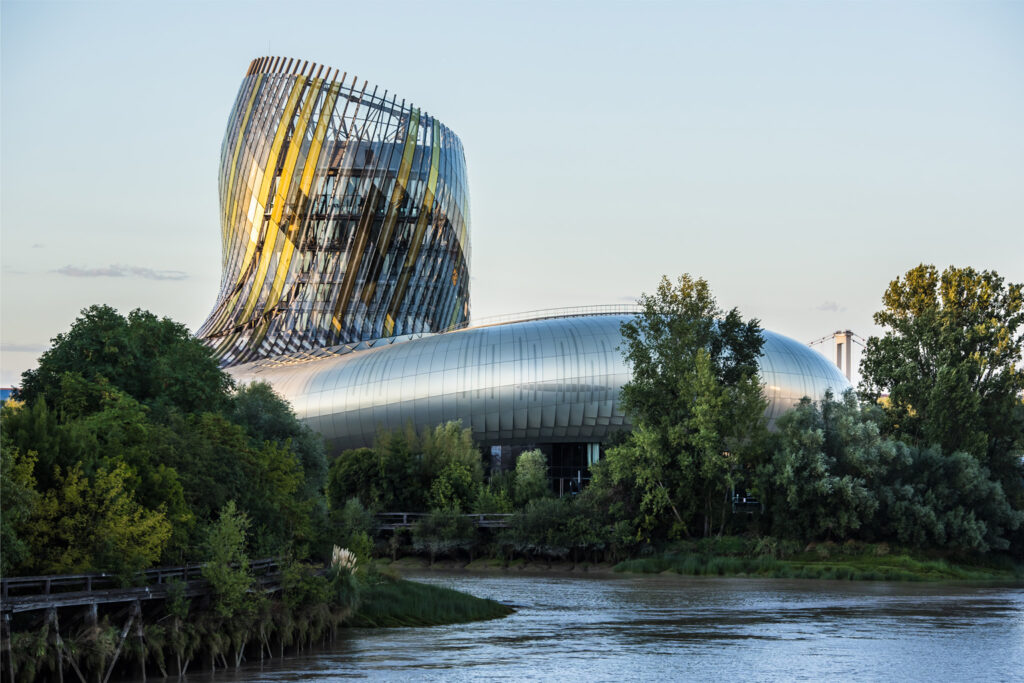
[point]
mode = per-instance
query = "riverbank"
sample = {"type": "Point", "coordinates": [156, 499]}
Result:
{"type": "Point", "coordinates": [415, 563]}
{"type": "Point", "coordinates": [169, 637]}
{"type": "Point", "coordinates": [863, 568]}
{"type": "Point", "coordinates": [734, 556]}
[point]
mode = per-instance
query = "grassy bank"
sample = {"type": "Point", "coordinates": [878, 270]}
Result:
{"type": "Point", "coordinates": [758, 557]}
{"type": "Point", "coordinates": [408, 603]}
{"type": "Point", "coordinates": [853, 562]}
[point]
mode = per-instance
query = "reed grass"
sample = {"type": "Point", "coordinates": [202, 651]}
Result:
{"type": "Point", "coordinates": [409, 603]}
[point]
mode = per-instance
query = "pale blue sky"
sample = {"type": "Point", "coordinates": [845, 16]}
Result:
{"type": "Point", "coordinates": [797, 155]}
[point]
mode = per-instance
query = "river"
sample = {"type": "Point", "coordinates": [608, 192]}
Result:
{"type": "Point", "coordinates": [618, 628]}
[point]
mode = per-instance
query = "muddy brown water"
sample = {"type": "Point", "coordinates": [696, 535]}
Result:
{"type": "Point", "coordinates": [628, 627]}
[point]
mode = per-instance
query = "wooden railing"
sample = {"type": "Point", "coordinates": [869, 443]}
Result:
{"type": "Point", "coordinates": [404, 520]}
{"type": "Point", "coordinates": [26, 593]}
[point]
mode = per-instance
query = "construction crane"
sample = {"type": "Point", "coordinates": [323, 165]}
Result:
{"type": "Point", "coordinates": [844, 341]}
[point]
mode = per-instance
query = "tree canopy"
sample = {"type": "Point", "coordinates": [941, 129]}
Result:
{"type": "Point", "coordinates": [950, 360]}
{"type": "Point", "coordinates": [834, 475]}
{"type": "Point", "coordinates": [696, 403]}
{"type": "Point", "coordinates": [410, 472]}
{"type": "Point", "coordinates": [130, 441]}
{"type": "Point", "coordinates": [154, 360]}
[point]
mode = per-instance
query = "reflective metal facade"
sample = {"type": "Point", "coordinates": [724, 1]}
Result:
{"type": "Point", "coordinates": [345, 227]}
{"type": "Point", "coordinates": [344, 216]}
{"type": "Point", "coordinates": [540, 381]}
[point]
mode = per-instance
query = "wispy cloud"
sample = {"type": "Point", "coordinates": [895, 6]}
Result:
{"type": "Point", "coordinates": [8, 347]}
{"type": "Point", "coordinates": [629, 299]}
{"type": "Point", "coordinates": [830, 306]}
{"type": "Point", "coordinates": [37, 246]}
{"type": "Point", "coordinates": [123, 271]}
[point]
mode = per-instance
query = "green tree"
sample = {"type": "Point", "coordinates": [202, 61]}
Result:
{"type": "Point", "coordinates": [451, 443]}
{"type": "Point", "coordinates": [354, 527]}
{"type": "Point", "coordinates": [727, 428]}
{"type": "Point", "coordinates": [661, 481]}
{"type": "Point", "coordinates": [444, 532]}
{"type": "Point", "coordinates": [600, 523]}
{"type": "Point", "coordinates": [531, 480]}
{"type": "Point", "coordinates": [95, 525]}
{"type": "Point", "coordinates": [267, 417]}
{"type": "Point", "coordinates": [303, 586]}
{"type": "Point", "coordinates": [402, 469]}
{"type": "Point", "coordinates": [491, 499]}
{"type": "Point", "coordinates": [114, 430]}
{"type": "Point", "coordinates": [139, 393]}
{"type": "Point", "coordinates": [950, 361]}
{"type": "Point", "coordinates": [208, 453]}
{"type": "Point", "coordinates": [540, 529]}
{"type": "Point", "coordinates": [453, 488]}
{"type": "Point", "coordinates": [823, 479]}
{"type": "Point", "coordinates": [352, 474]}
{"type": "Point", "coordinates": [34, 427]}
{"type": "Point", "coordinates": [19, 497]}
{"type": "Point", "coordinates": [120, 432]}
{"type": "Point", "coordinates": [280, 518]}
{"type": "Point", "coordinates": [402, 478]}
{"type": "Point", "coordinates": [154, 360]}
{"type": "Point", "coordinates": [227, 566]}
{"type": "Point", "coordinates": [217, 461]}
{"type": "Point", "coordinates": [950, 502]}
{"type": "Point", "coordinates": [696, 404]}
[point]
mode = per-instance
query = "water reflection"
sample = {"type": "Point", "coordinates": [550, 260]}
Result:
{"type": "Point", "coordinates": [675, 628]}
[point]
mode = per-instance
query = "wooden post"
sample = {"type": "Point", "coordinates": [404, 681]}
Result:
{"type": "Point", "coordinates": [61, 649]}
{"type": "Point", "coordinates": [55, 642]}
{"type": "Point", "coordinates": [142, 648]}
{"type": "Point", "coordinates": [7, 638]}
{"type": "Point", "coordinates": [124, 634]}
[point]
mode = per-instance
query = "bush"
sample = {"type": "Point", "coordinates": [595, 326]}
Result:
{"type": "Point", "coordinates": [453, 487]}
{"type": "Point", "coordinates": [491, 500]}
{"type": "Point", "coordinates": [531, 477]}
{"type": "Point", "coordinates": [352, 521]}
{"type": "Point", "coordinates": [303, 586]}
{"type": "Point", "coordinates": [541, 529]}
{"type": "Point", "coordinates": [444, 532]}
{"type": "Point", "coordinates": [228, 567]}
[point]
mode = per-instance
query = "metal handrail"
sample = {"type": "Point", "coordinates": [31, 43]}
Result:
{"type": "Point", "coordinates": [564, 312]}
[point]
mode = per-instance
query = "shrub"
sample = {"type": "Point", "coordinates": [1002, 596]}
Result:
{"type": "Point", "coordinates": [302, 585]}
{"type": "Point", "coordinates": [444, 532]}
{"type": "Point", "coordinates": [531, 477]}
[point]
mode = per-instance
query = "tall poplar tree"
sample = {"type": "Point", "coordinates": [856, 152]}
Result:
{"type": "Point", "coordinates": [696, 403]}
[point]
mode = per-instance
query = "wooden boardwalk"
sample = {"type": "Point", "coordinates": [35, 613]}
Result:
{"type": "Point", "coordinates": [29, 593]}
{"type": "Point", "coordinates": [405, 520]}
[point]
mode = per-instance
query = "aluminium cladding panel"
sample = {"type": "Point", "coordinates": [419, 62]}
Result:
{"type": "Point", "coordinates": [530, 382]}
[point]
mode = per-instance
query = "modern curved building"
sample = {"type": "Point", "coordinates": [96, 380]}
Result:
{"type": "Point", "coordinates": [344, 216]}
{"type": "Point", "coordinates": [345, 221]}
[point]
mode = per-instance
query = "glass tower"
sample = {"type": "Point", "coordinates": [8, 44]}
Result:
{"type": "Point", "coordinates": [344, 216]}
